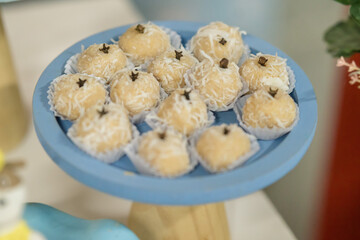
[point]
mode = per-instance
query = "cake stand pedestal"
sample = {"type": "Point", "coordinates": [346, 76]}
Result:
{"type": "Point", "coordinates": [156, 222]}
{"type": "Point", "coordinates": [170, 209]}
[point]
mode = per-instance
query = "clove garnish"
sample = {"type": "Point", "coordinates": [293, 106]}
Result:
{"type": "Point", "coordinates": [178, 55]}
{"type": "Point", "coordinates": [105, 49]}
{"type": "Point", "coordinates": [262, 61]}
{"type": "Point", "coordinates": [186, 94]}
{"type": "Point", "coordinates": [140, 28]}
{"type": "Point", "coordinates": [224, 63]}
{"type": "Point", "coordinates": [102, 112]}
{"type": "Point", "coordinates": [226, 130]}
{"type": "Point", "coordinates": [273, 92]}
{"type": "Point", "coordinates": [134, 76]}
{"type": "Point", "coordinates": [222, 41]}
{"type": "Point", "coordinates": [81, 82]}
{"type": "Point", "coordinates": [162, 135]}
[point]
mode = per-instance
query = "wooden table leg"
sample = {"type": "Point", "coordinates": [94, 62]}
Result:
{"type": "Point", "coordinates": [13, 120]}
{"type": "Point", "coordinates": [200, 222]}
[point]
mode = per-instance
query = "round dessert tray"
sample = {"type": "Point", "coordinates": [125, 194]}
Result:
{"type": "Point", "coordinates": [274, 160]}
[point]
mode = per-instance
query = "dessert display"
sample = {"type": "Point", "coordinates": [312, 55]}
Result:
{"type": "Point", "coordinates": [217, 41]}
{"type": "Point", "coordinates": [169, 68]}
{"type": "Point", "coordinates": [219, 82]}
{"type": "Point", "coordinates": [70, 95]}
{"type": "Point", "coordinates": [137, 91]}
{"type": "Point", "coordinates": [265, 70]}
{"type": "Point", "coordinates": [184, 110]}
{"type": "Point", "coordinates": [224, 147]}
{"type": "Point", "coordinates": [101, 60]}
{"type": "Point", "coordinates": [102, 131]}
{"type": "Point", "coordinates": [175, 91]}
{"type": "Point", "coordinates": [163, 152]}
{"type": "Point", "coordinates": [143, 42]}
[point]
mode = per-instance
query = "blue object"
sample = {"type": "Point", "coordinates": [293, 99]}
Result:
{"type": "Point", "coordinates": [56, 225]}
{"type": "Point", "coordinates": [273, 161]}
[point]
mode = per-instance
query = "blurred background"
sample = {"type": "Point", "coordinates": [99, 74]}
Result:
{"type": "Point", "coordinates": [310, 199]}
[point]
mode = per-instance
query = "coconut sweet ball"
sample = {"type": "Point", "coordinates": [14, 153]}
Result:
{"type": "Point", "coordinates": [169, 68]}
{"type": "Point", "coordinates": [265, 70]}
{"type": "Point", "coordinates": [103, 128]}
{"type": "Point", "coordinates": [144, 42]}
{"type": "Point", "coordinates": [220, 146]}
{"type": "Point", "coordinates": [101, 60]}
{"type": "Point", "coordinates": [219, 83]}
{"type": "Point", "coordinates": [74, 93]}
{"type": "Point", "coordinates": [165, 151]}
{"type": "Point", "coordinates": [184, 110]}
{"type": "Point", "coordinates": [137, 91]}
{"type": "Point", "coordinates": [269, 108]}
{"type": "Point", "coordinates": [217, 40]}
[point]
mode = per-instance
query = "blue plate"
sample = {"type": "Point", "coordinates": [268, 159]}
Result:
{"type": "Point", "coordinates": [273, 161]}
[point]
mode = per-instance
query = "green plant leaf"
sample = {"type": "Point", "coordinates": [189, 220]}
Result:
{"type": "Point", "coordinates": [355, 12]}
{"type": "Point", "coordinates": [348, 2]}
{"type": "Point", "coordinates": [343, 38]}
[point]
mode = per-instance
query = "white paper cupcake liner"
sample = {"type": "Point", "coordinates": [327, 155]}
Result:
{"type": "Point", "coordinates": [245, 55]}
{"type": "Point", "coordinates": [262, 133]}
{"type": "Point", "coordinates": [71, 64]}
{"type": "Point", "coordinates": [214, 107]}
{"type": "Point", "coordinates": [50, 93]}
{"type": "Point", "coordinates": [145, 168]}
{"type": "Point", "coordinates": [175, 39]}
{"type": "Point", "coordinates": [155, 122]}
{"type": "Point", "coordinates": [254, 148]}
{"type": "Point", "coordinates": [108, 157]}
{"type": "Point", "coordinates": [292, 79]}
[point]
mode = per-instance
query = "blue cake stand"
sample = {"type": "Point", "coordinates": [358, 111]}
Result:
{"type": "Point", "coordinates": [275, 159]}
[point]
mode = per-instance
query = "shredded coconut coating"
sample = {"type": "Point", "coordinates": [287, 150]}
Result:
{"type": "Point", "coordinates": [206, 42]}
{"type": "Point", "coordinates": [219, 150]}
{"type": "Point", "coordinates": [142, 47]}
{"type": "Point", "coordinates": [218, 86]}
{"type": "Point", "coordinates": [71, 101]}
{"type": "Point", "coordinates": [184, 115]}
{"type": "Point", "coordinates": [104, 133]}
{"type": "Point", "coordinates": [168, 155]}
{"type": "Point", "coordinates": [137, 96]}
{"type": "Point", "coordinates": [169, 71]}
{"type": "Point", "coordinates": [92, 61]}
{"type": "Point", "coordinates": [264, 111]}
{"type": "Point", "coordinates": [273, 74]}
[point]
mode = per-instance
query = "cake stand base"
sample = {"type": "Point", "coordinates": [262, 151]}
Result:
{"type": "Point", "coordinates": [200, 222]}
